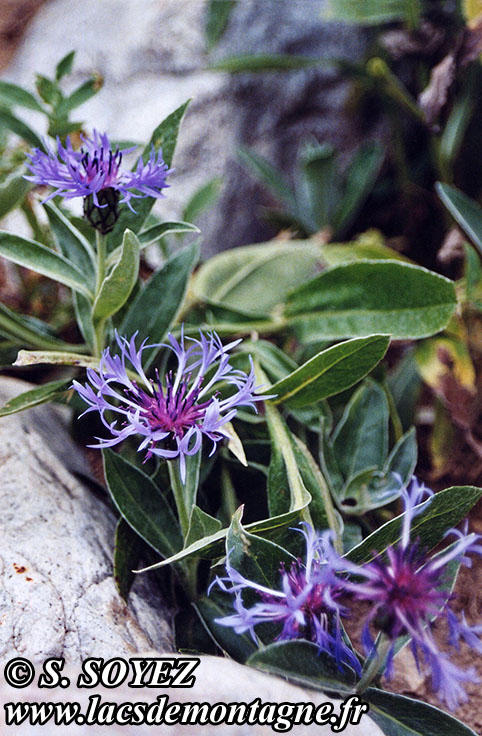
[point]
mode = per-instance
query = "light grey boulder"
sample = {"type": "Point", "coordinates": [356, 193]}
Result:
{"type": "Point", "coordinates": [57, 593]}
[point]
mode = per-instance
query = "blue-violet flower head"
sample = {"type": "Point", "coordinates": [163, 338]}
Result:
{"type": "Point", "coordinates": [306, 603]}
{"type": "Point", "coordinates": [96, 169]}
{"type": "Point", "coordinates": [408, 590]}
{"type": "Point", "coordinates": [171, 415]}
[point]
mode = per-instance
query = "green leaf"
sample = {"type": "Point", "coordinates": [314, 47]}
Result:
{"type": "Point", "coordinates": [385, 297]}
{"type": "Point", "coordinates": [272, 360]}
{"type": "Point", "coordinates": [369, 489]}
{"type": "Point", "coordinates": [48, 90]}
{"type": "Point", "coordinates": [38, 258]}
{"type": "Point", "coordinates": [398, 715]}
{"type": "Point", "coordinates": [70, 242]}
{"type": "Point", "coordinates": [361, 178]}
{"type": "Point", "coordinates": [155, 307]}
{"type": "Point", "coordinates": [318, 187]}
{"type": "Point", "coordinates": [270, 176]}
{"type": "Point", "coordinates": [15, 125]}
{"type": "Point", "coordinates": [266, 63]}
{"type": "Point", "coordinates": [117, 286]}
{"type": "Point", "coordinates": [12, 192]}
{"type": "Point", "coordinates": [64, 66]}
{"type": "Point", "coordinates": [12, 94]}
{"type": "Point", "coordinates": [83, 316]}
{"type": "Point", "coordinates": [257, 559]}
{"type": "Point", "coordinates": [403, 457]}
{"type": "Point", "coordinates": [238, 646]}
{"type": "Point", "coordinates": [87, 89]}
{"type": "Point", "coordinates": [25, 331]}
{"type": "Point", "coordinates": [35, 397]}
{"type": "Point", "coordinates": [141, 504]}
{"type": "Point", "coordinates": [464, 210]}
{"type": "Point", "coordinates": [303, 663]}
{"type": "Point", "coordinates": [370, 12]}
{"type": "Point", "coordinates": [360, 440]}
{"type": "Point", "coordinates": [164, 137]}
{"type": "Point", "coordinates": [255, 278]}
{"type": "Point", "coordinates": [217, 17]}
{"type": "Point", "coordinates": [201, 525]}
{"type": "Point", "coordinates": [157, 232]}
{"type": "Point", "coordinates": [443, 511]}
{"type": "Point", "coordinates": [370, 245]}
{"type": "Point", "coordinates": [330, 372]}
{"type": "Point", "coordinates": [126, 556]}
{"type": "Point", "coordinates": [202, 199]}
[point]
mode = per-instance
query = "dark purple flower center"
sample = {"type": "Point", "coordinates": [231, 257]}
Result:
{"type": "Point", "coordinates": [172, 410]}
{"type": "Point", "coordinates": [407, 590]}
{"type": "Point", "coordinates": [105, 163]}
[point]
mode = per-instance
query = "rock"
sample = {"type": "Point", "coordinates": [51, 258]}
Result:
{"type": "Point", "coordinates": [152, 56]}
{"type": "Point", "coordinates": [57, 593]}
{"type": "Point", "coordinates": [217, 681]}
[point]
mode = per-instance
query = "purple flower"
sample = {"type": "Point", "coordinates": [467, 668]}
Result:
{"type": "Point", "coordinates": [306, 604]}
{"type": "Point", "coordinates": [171, 415]}
{"type": "Point", "coordinates": [408, 590]}
{"type": "Point", "coordinates": [95, 168]}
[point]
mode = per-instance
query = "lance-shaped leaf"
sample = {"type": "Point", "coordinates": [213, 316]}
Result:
{"type": "Point", "coordinates": [164, 137]}
{"type": "Point", "coordinates": [217, 605]}
{"type": "Point", "coordinates": [38, 258]}
{"type": "Point", "coordinates": [35, 397]}
{"type": "Point", "coordinates": [302, 662]}
{"type": "Point", "coordinates": [12, 94]}
{"type": "Point", "coordinates": [157, 232]}
{"type": "Point", "coordinates": [28, 331]}
{"type": "Point", "coordinates": [331, 371]}
{"type": "Point", "coordinates": [359, 299]}
{"type": "Point", "coordinates": [444, 510]}
{"type": "Point", "coordinates": [154, 308]}
{"type": "Point", "coordinates": [201, 525]}
{"type": "Point", "coordinates": [70, 242]}
{"type": "Point", "coordinates": [464, 210]}
{"type": "Point", "coordinates": [12, 191]}
{"type": "Point", "coordinates": [141, 504]}
{"type": "Point", "coordinates": [117, 286]}
{"type": "Point", "coordinates": [398, 715]}
{"type": "Point", "coordinates": [19, 127]}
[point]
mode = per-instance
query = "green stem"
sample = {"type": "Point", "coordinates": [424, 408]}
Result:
{"type": "Point", "coordinates": [99, 327]}
{"type": "Point", "coordinates": [374, 664]}
{"type": "Point", "coordinates": [101, 256]}
{"type": "Point", "coordinates": [177, 487]}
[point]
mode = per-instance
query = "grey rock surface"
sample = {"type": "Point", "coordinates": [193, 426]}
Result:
{"type": "Point", "coordinates": [152, 56]}
{"type": "Point", "coordinates": [217, 681]}
{"type": "Point", "coordinates": [57, 593]}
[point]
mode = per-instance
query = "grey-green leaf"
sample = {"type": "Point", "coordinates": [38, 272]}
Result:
{"type": "Point", "coordinates": [443, 511]}
{"type": "Point", "coordinates": [70, 242]}
{"type": "Point", "coordinates": [140, 502]}
{"type": "Point", "coordinates": [38, 258]}
{"type": "Point", "coordinates": [331, 371]}
{"type": "Point", "coordinates": [302, 662]}
{"type": "Point", "coordinates": [154, 308]}
{"type": "Point", "coordinates": [398, 715]}
{"type": "Point", "coordinates": [360, 440]}
{"type": "Point", "coordinates": [12, 94]}
{"type": "Point", "coordinates": [35, 397]}
{"type": "Point", "coordinates": [201, 525]}
{"type": "Point", "coordinates": [117, 286]}
{"type": "Point", "coordinates": [358, 299]}
{"type": "Point", "coordinates": [12, 191]}
{"type": "Point", "coordinates": [464, 210]}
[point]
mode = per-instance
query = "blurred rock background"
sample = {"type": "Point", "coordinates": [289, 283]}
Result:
{"type": "Point", "coordinates": [152, 55]}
